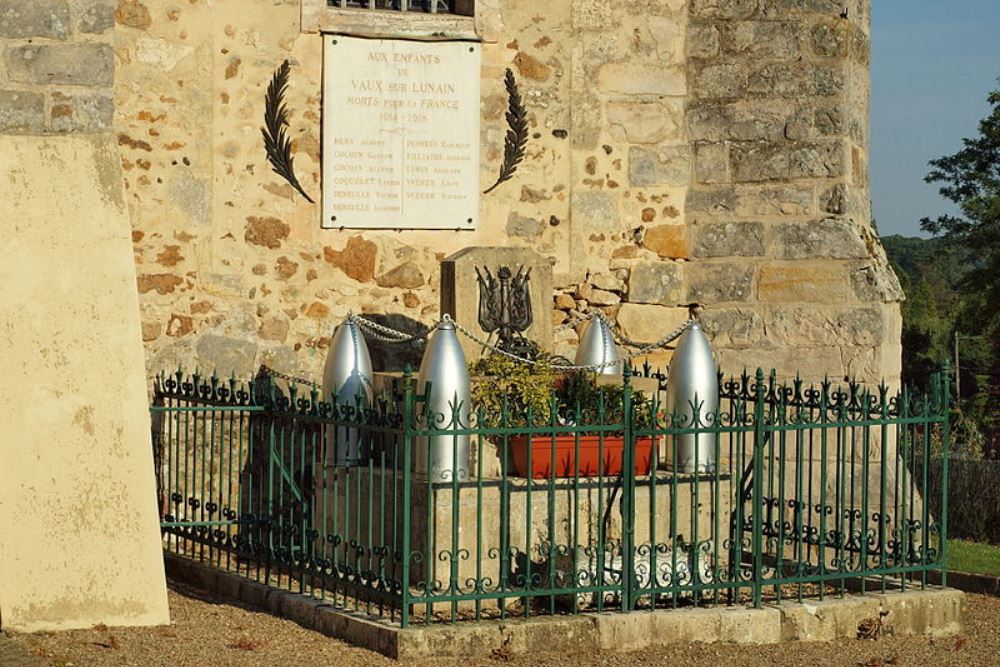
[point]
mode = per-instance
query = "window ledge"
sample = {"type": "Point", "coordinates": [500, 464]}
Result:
{"type": "Point", "coordinates": [318, 17]}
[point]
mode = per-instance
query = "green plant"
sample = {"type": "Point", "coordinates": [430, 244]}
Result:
{"type": "Point", "coordinates": [580, 393]}
{"type": "Point", "coordinates": [499, 382]}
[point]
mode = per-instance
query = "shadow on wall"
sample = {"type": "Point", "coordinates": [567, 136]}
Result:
{"type": "Point", "coordinates": [389, 357]}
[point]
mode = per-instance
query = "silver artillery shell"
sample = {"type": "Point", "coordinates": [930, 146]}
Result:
{"type": "Point", "coordinates": [597, 346]}
{"type": "Point", "coordinates": [444, 457]}
{"type": "Point", "coordinates": [693, 389]}
{"type": "Point", "coordinates": [347, 376]}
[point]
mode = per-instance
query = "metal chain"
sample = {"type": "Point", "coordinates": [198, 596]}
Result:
{"type": "Point", "coordinates": [620, 338]}
{"type": "Point", "coordinates": [387, 335]}
{"type": "Point", "coordinates": [390, 336]}
{"type": "Point", "coordinates": [284, 376]}
{"type": "Point", "coordinates": [645, 349]}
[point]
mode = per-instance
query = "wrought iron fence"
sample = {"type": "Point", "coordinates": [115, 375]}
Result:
{"type": "Point", "coordinates": [811, 491]}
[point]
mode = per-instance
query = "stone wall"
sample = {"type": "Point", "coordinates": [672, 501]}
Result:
{"type": "Point", "coordinates": [709, 151]}
{"type": "Point", "coordinates": [58, 66]}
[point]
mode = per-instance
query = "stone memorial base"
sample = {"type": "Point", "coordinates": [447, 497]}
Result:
{"type": "Point", "coordinates": [79, 530]}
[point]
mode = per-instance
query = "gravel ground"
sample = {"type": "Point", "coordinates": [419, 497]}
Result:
{"type": "Point", "coordinates": [206, 632]}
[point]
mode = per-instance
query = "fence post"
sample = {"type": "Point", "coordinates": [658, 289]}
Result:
{"type": "Point", "coordinates": [945, 444]}
{"type": "Point", "coordinates": [758, 487]}
{"type": "Point", "coordinates": [408, 424]}
{"type": "Point", "coordinates": [628, 492]}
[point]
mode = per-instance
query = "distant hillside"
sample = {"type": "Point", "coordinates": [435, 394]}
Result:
{"type": "Point", "coordinates": [916, 259]}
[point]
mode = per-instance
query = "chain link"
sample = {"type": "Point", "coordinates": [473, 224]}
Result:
{"type": "Point", "coordinates": [390, 336]}
{"type": "Point", "coordinates": [284, 376]}
{"type": "Point", "coordinates": [645, 349]}
{"type": "Point", "coordinates": [387, 335]}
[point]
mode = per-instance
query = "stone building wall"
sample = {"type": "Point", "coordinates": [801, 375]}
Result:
{"type": "Point", "coordinates": [709, 151]}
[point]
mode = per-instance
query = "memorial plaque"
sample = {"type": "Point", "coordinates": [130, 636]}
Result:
{"type": "Point", "coordinates": [400, 134]}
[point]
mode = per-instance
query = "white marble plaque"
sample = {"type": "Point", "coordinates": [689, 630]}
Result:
{"type": "Point", "coordinates": [400, 134]}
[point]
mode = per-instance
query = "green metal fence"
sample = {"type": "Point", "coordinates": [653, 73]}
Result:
{"type": "Point", "coordinates": [816, 491]}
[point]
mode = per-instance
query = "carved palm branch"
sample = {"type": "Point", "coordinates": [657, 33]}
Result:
{"type": "Point", "coordinates": [517, 133]}
{"type": "Point", "coordinates": [275, 130]}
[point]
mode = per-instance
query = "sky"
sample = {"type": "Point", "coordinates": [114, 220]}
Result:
{"type": "Point", "coordinates": [933, 64]}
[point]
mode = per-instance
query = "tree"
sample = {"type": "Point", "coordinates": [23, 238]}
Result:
{"type": "Point", "coordinates": [971, 179]}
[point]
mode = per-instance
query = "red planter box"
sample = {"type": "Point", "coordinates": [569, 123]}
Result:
{"type": "Point", "coordinates": [565, 459]}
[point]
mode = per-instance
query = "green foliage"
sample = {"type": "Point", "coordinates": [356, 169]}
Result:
{"type": "Point", "coordinates": [952, 284]}
{"type": "Point", "coordinates": [520, 387]}
{"type": "Point", "coordinates": [581, 394]}
{"type": "Point", "coordinates": [971, 179]}
{"type": "Point", "coordinates": [500, 382]}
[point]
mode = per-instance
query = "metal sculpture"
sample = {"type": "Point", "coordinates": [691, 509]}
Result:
{"type": "Point", "coordinates": [444, 383]}
{"type": "Point", "coordinates": [692, 401]}
{"type": "Point", "coordinates": [597, 346]}
{"type": "Point", "coordinates": [347, 383]}
{"type": "Point", "coordinates": [275, 130]}
{"type": "Point", "coordinates": [516, 140]}
{"type": "Point", "coordinates": [505, 307]}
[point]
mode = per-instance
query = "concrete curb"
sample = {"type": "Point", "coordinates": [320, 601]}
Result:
{"type": "Point", "coordinates": [983, 584]}
{"type": "Point", "coordinates": [934, 611]}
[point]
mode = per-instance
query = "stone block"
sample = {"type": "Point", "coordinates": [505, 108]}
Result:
{"type": "Point", "coordinates": [811, 326]}
{"type": "Point", "coordinates": [728, 239]}
{"type": "Point", "coordinates": [300, 609]}
{"type": "Point", "coordinates": [228, 587]}
{"type": "Point", "coordinates": [709, 283]}
{"type": "Point", "coordinates": [599, 297]}
{"type": "Point", "coordinates": [744, 120]}
{"type": "Point", "coordinates": [725, 81]}
{"type": "Point", "coordinates": [646, 122]}
{"type": "Point", "coordinates": [874, 281]}
{"type": "Point", "coordinates": [34, 18]}
{"type": "Point", "coordinates": [825, 620]}
{"type": "Point", "coordinates": [83, 64]}
{"type": "Point", "coordinates": [735, 328]}
{"type": "Point", "coordinates": [811, 364]}
{"type": "Point", "coordinates": [566, 635]}
{"type": "Point", "coordinates": [750, 626]}
{"type": "Point", "coordinates": [933, 611]}
{"type": "Point", "coordinates": [668, 34]}
{"type": "Point", "coordinates": [796, 80]}
{"type": "Point", "coordinates": [827, 7]}
{"type": "Point", "coordinates": [97, 18]}
{"type": "Point", "coordinates": [524, 227]}
{"type": "Point", "coordinates": [668, 241]}
{"type": "Point", "coordinates": [751, 200]}
{"type": "Point", "coordinates": [21, 111]}
{"type": "Point", "coordinates": [656, 282]}
{"type": "Point", "coordinates": [666, 165]}
{"type": "Point", "coordinates": [808, 282]}
{"type": "Point", "coordinates": [711, 163]}
{"type": "Point", "coordinates": [648, 323]}
{"type": "Point", "coordinates": [460, 290]}
{"type": "Point", "coordinates": [702, 41]}
{"type": "Point", "coordinates": [608, 282]}
{"type": "Point", "coordinates": [638, 78]}
{"type": "Point", "coordinates": [836, 238]}
{"type": "Point", "coordinates": [761, 40]}
{"type": "Point", "coordinates": [830, 38]}
{"type": "Point", "coordinates": [776, 162]}
{"type": "Point", "coordinates": [592, 213]}
{"type": "Point", "coordinates": [81, 113]}
{"type": "Point", "coordinates": [723, 9]}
